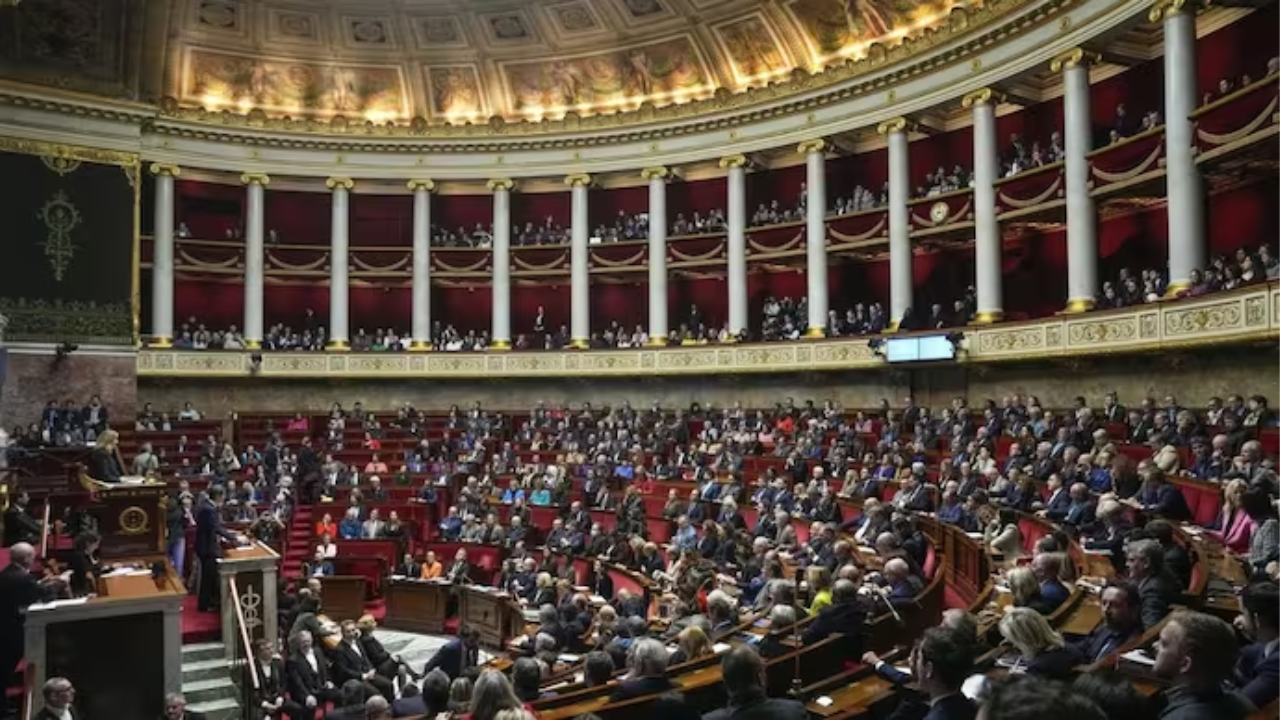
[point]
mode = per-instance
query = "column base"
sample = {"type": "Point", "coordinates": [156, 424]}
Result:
{"type": "Point", "coordinates": [160, 343]}
{"type": "Point", "coordinates": [252, 344]}
{"type": "Point", "coordinates": [580, 344]}
{"type": "Point", "coordinates": [1175, 289]}
{"type": "Point", "coordinates": [338, 346]}
{"type": "Point", "coordinates": [500, 345]}
{"type": "Point", "coordinates": [892, 327]}
{"type": "Point", "coordinates": [815, 333]}
{"type": "Point", "coordinates": [1079, 305]}
{"type": "Point", "coordinates": [419, 346]}
{"type": "Point", "coordinates": [657, 341]}
{"type": "Point", "coordinates": [987, 317]}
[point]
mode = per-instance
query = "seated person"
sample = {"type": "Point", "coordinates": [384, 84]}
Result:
{"type": "Point", "coordinates": [1042, 650]}
{"type": "Point", "coordinates": [1120, 623]}
{"type": "Point", "coordinates": [846, 615]}
{"type": "Point", "coordinates": [1258, 671]}
{"type": "Point", "coordinates": [351, 662]}
{"type": "Point", "coordinates": [781, 620]}
{"type": "Point", "coordinates": [647, 660]}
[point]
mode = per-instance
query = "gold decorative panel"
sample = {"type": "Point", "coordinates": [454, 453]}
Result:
{"type": "Point", "coordinates": [1252, 314]}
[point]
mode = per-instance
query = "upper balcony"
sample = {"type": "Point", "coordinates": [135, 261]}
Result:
{"type": "Point", "coordinates": [1248, 315]}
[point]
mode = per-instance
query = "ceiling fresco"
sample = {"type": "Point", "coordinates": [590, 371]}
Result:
{"type": "Point", "coordinates": [467, 60]}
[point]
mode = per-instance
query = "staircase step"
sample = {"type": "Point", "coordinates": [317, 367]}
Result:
{"type": "Point", "coordinates": [198, 652]}
{"type": "Point", "coordinates": [199, 691]}
{"type": "Point", "coordinates": [221, 709]}
{"type": "Point", "coordinates": [205, 670]}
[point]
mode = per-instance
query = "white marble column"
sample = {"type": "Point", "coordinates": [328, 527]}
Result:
{"type": "Point", "coordinates": [579, 263]}
{"type": "Point", "coordinates": [900, 287]}
{"type": "Point", "coordinates": [420, 331]}
{"type": "Point", "coordinates": [1082, 217]}
{"type": "Point", "coordinates": [736, 220]}
{"type": "Point", "coordinates": [988, 276]}
{"type": "Point", "coordinates": [657, 177]}
{"type": "Point", "coordinates": [814, 152]}
{"type": "Point", "coordinates": [254, 257]}
{"type": "Point", "coordinates": [339, 262]}
{"type": "Point", "coordinates": [1187, 250]}
{"type": "Point", "coordinates": [500, 332]}
{"type": "Point", "coordinates": [162, 256]}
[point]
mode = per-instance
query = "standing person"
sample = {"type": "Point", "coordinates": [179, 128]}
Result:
{"type": "Point", "coordinates": [18, 589]}
{"type": "Point", "coordinates": [210, 534]}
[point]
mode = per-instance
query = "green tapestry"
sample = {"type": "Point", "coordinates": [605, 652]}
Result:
{"type": "Point", "coordinates": [67, 235]}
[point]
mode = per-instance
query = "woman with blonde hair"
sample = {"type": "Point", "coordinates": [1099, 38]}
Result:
{"type": "Point", "coordinates": [1168, 461]}
{"type": "Point", "coordinates": [459, 697]}
{"type": "Point", "coordinates": [1042, 650]}
{"type": "Point", "coordinates": [1234, 527]}
{"type": "Point", "coordinates": [491, 695]}
{"type": "Point", "coordinates": [691, 644]}
{"type": "Point", "coordinates": [105, 464]}
{"type": "Point", "coordinates": [818, 578]}
{"type": "Point", "coordinates": [1025, 590]}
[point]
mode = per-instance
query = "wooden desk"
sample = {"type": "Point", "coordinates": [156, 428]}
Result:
{"type": "Point", "coordinates": [342, 596]}
{"type": "Point", "coordinates": [852, 699]}
{"type": "Point", "coordinates": [496, 615]}
{"type": "Point", "coordinates": [417, 606]}
{"type": "Point", "coordinates": [135, 622]}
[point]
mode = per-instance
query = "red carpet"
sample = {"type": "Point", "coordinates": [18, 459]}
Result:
{"type": "Point", "coordinates": [198, 627]}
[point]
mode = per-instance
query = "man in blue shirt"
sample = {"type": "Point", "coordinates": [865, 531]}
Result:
{"type": "Point", "coordinates": [451, 526]}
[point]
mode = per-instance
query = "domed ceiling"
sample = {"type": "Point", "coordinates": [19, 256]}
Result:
{"type": "Point", "coordinates": [465, 60]}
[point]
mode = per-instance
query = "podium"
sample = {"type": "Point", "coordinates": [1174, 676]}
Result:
{"type": "Point", "coordinates": [131, 517]}
{"type": "Point", "coordinates": [122, 649]}
{"type": "Point", "coordinates": [342, 596]}
{"type": "Point", "coordinates": [495, 615]}
{"type": "Point", "coordinates": [419, 606]}
{"type": "Point", "coordinates": [251, 574]}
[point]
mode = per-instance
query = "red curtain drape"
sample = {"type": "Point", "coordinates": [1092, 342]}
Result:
{"type": "Point", "coordinates": [208, 209]}
{"type": "Point", "coordinates": [454, 211]}
{"type": "Point", "coordinates": [1244, 217]}
{"type": "Point", "coordinates": [381, 220]}
{"type": "Point", "coordinates": [700, 196]}
{"type": "Point", "coordinates": [606, 203]}
{"type": "Point", "coordinates": [537, 207]}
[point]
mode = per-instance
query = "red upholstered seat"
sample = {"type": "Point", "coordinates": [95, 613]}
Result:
{"type": "Point", "coordinates": [1270, 439]}
{"type": "Point", "coordinates": [802, 530]}
{"type": "Point", "coordinates": [1137, 453]}
{"type": "Point", "coordinates": [1031, 531]}
{"type": "Point", "coordinates": [930, 560]}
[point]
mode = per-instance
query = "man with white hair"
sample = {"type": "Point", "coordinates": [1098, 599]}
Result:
{"type": "Point", "coordinates": [175, 708]}
{"type": "Point", "coordinates": [18, 590]}
{"type": "Point", "coordinates": [647, 659]}
{"type": "Point", "coordinates": [59, 694]}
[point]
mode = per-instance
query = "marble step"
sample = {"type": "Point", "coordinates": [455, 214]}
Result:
{"type": "Point", "coordinates": [197, 652]}
{"type": "Point", "coordinates": [202, 691]}
{"type": "Point", "coordinates": [205, 670]}
{"type": "Point", "coordinates": [222, 709]}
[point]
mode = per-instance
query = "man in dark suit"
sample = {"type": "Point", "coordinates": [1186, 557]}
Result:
{"type": "Point", "coordinates": [1159, 497]}
{"type": "Point", "coordinates": [845, 616]}
{"type": "Point", "coordinates": [59, 695]}
{"type": "Point", "coordinates": [1080, 512]}
{"type": "Point", "coordinates": [1158, 591]}
{"type": "Point", "coordinates": [1048, 570]}
{"type": "Point", "coordinates": [308, 674]}
{"type": "Point", "coordinates": [1120, 623]}
{"type": "Point", "coordinates": [742, 671]}
{"type": "Point", "coordinates": [351, 663]}
{"type": "Point", "coordinates": [18, 589]}
{"type": "Point", "coordinates": [273, 685]}
{"type": "Point", "coordinates": [210, 534]}
{"type": "Point", "coordinates": [19, 526]}
{"type": "Point", "coordinates": [175, 708]}
{"type": "Point", "coordinates": [1176, 558]}
{"type": "Point", "coordinates": [1058, 503]}
{"type": "Point", "coordinates": [940, 663]}
{"type": "Point", "coordinates": [432, 700]}
{"type": "Point", "coordinates": [410, 568]}
{"type": "Point", "coordinates": [1258, 671]}
{"type": "Point", "coordinates": [648, 677]}
{"type": "Point", "coordinates": [457, 655]}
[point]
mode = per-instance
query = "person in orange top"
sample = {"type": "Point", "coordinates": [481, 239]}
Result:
{"type": "Point", "coordinates": [327, 526]}
{"type": "Point", "coordinates": [431, 568]}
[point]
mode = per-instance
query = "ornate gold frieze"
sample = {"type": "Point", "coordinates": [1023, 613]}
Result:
{"type": "Point", "coordinates": [1251, 314]}
{"type": "Point", "coordinates": [60, 217]}
{"type": "Point", "coordinates": [66, 154]}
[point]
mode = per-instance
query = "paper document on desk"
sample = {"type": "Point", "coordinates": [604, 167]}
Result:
{"type": "Point", "coordinates": [568, 658]}
{"type": "Point", "coordinates": [126, 572]}
{"type": "Point", "coordinates": [1140, 657]}
{"type": "Point", "coordinates": [1104, 553]}
{"type": "Point", "coordinates": [57, 604]}
{"type": "Point", "coordinates": [720, 647]}
{"type": "Point", "coordinates": [398, 577]}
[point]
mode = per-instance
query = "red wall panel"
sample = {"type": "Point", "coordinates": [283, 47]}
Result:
{"type": "Point", "coordinates": [605, 204]}
{"type": "Point", "coordinates": [699, 196]}
{"type": "Point", "coordinates": [454, 211]}
{"type": "Point", "coordinates": [554, 299]}
{"type": "Point", "coordinates": [1241, 48]}
{"type": "Point", "coordinates": [208, 209]}
{"type": "Point", "coordinates": [537, 207]}
{"type": "Point", "coordinates": [1244, 217]}
{"type": "Point", "coordinates": [466, 308]}
{"type": "Point", "coordinates": [381, 220]}
{"type": "Point", "coordinates": [216, 304]}
{"type": "Point", "coordinates": [625, 303]}
{"type": "Point", "coordinates": [303, 218]}
{"type": "Point", "coordinates": [380, 307]}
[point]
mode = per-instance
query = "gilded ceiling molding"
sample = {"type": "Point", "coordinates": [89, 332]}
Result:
{"type": "Point", "coordinates": [982, 96]}
{"type": "Point", "coordinates": [578, 179]}
{"type": "Point", "coordinates": [427, 185]}
{"type": "Point", "coordinates": [63, 151]}
{"type": "Point", "coordinates": [165, 169]}
{"type": "Point", "coordinates": [259, 178]}
{"type": "Point", "coordinates": [500, 184]}
{"type": "Point", "coordinates": [345, 183]}
{"type": "Point", "coordinates": [1074, 57]}
{"type": "Point", "coordinates": [812, 146]}
{"type": "Point", "coordinates": [650, 173]}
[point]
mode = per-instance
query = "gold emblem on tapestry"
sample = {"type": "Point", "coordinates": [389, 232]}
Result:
{"type": "Point", "coordinates": [60, 217]}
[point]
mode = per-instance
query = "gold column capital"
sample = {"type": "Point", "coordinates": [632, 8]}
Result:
{"type": "Point", "coordinates": [259, 178]}
{"type": "Point", "coordinates": [982, 96]}
{"type": "Point", "coordinates": [816, 145]}
{"type": "Point", "coordinates": [1165, 9]}
{"type": "Point", "coordinates": [578, 179]}
{"type": "Point", "coordinates": [415, 185]}
{"type": "Point", "coordinates": [500, 184]}
{"type": "Point", "coordinates": [733, 161]}
{"type": "Point", "coordinates": [658, 171]}
{"type": "Point", "coordinates": [1076, 56]}
{"type": "Point", "coordinates": [898, 124]}
{"type": "Point", "coordinates": [334, 183]}
{"type": "Point", "coordinates": [165, 169]}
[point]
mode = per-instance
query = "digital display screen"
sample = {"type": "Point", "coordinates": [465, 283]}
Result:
{"type": "Point", "coordinates": [919, 349]}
